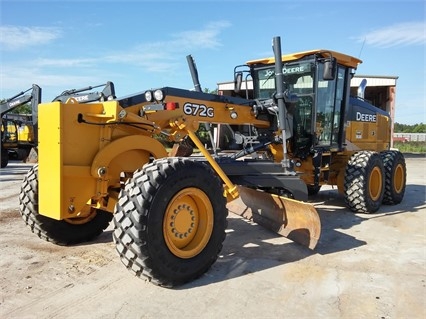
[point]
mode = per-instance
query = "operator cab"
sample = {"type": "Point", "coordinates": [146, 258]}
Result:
{"type": "Point", "coordinates": [320, 79]}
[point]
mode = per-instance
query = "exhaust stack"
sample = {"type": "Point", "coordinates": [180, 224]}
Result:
{"type": "Point", "coordinates": [361, 88]}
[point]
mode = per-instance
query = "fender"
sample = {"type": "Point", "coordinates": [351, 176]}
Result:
{"type": "Point", "coordinates": [134, 142]}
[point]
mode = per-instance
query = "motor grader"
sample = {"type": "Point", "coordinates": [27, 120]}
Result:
{"type": "Point", "coordinates": [105, 161]}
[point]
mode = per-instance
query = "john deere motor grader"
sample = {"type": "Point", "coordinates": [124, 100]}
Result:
{"type": "Point", "coordinates": [104, 161]}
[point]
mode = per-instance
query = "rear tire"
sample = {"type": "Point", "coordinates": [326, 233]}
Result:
{"type": "Point", "coordinates": [313, 190]}
{"type": "Point", "coordinates": [4, 158]}
{"type": "Point", "coordinates": [170, 221]}
{"type": "Point", "coordinates": [364, 182]}
{"type": "Point", "coordinates": [59, 232]}
{"type": "Point", "coordinates": [395, 177]}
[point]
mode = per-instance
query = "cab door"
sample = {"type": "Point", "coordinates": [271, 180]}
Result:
{"type": "Point", "coordinates": [329, 108]}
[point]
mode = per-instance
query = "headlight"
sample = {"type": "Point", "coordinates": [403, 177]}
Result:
{"type": "Point", "coordinates": [148, 96]}
{"type": "Point", "coordinates": [158, 95]}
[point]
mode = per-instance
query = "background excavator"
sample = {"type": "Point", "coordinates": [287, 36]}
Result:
{"type": "Point", "coordinates": [83, 96]}
{"type": "Point", "coordinates": [105, 161]}
{"type": "Point", "coordinates": [19, 132]}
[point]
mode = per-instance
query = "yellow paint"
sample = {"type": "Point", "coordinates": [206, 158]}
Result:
{"type": "Point", "coordinates": [80, 162]}
{"type": "Point", "coordinates": [344, 59]}
{"type": "Point", "coordinates": [50, 160]}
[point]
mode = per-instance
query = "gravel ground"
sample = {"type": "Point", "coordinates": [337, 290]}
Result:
{"type": "Point", "coordinates": [365, 266]}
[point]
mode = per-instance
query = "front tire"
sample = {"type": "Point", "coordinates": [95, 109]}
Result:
{"type": "Point", "coordinates": [170, 221]}
{"type": "Point", "coordinates": [364, 182]}
{"type": "Point", "coordinates": [60, 232]}
{"type": "Point", "coordinates": [395, 177]}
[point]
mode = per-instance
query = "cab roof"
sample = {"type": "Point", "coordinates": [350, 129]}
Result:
{"type": "Point", "coordinates": [344, 59]}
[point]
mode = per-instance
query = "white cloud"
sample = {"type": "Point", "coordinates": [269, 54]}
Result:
{"type": "Point", "coordinates": [52, 83]}
{"type": "Point", "coordinates": [150, 60]}
{"type": "Point", "coordinates": [25, 75]}
{"type": "Point", "coordinates": [15, 37]}
{"type": "Point", "coordinates": [162, 56]}
{"type": "Point", "coordinates": [66, 63]}
{"type": "Point", "coordinates": [156, 57]}
{"type": "Point", "coordinates": [206, 38]}
{"type": "Point", "coordinates": [402, 34]}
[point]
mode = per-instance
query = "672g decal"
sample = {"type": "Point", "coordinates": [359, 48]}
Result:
{"type": "Point", "coordinates": [198, 110]}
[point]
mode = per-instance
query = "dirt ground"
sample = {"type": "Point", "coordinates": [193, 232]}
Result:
{"type": "Point", "coordinates": [365, 266]}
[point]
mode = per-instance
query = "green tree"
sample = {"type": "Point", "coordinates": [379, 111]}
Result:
{"type": "Point", "coordinates": [22, 109]}
{"type": "Point", "coordinates": [405, 128]}
{"type": "Point", "coordinates": [206, 90]}
{"type": "Point", "coordinates": [419, 128]}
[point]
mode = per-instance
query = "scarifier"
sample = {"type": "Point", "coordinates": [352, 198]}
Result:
{"type": "Point", "coordinates": [109, 160]}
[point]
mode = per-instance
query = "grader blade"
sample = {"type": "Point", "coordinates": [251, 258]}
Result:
{"type": "Point", "coordinates": [293, 219]}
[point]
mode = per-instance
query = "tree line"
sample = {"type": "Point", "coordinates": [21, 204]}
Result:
{"type": "Point", "coordinates": [405, 128]}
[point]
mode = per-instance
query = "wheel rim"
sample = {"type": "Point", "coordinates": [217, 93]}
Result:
{"type": "Point", "coordinates": [188, 223]}
{"type": "Point", "coordinates": [375, 183]}
{"type": "Point", "coordinates": [82, 220]}
{"type": "Point", "coordinates": [398, 179]}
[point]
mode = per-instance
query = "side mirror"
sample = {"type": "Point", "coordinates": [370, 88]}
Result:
{"type": "Point", "coordinates": [330, 66]}
{"type": "Point", "coordinates": [238, 80]}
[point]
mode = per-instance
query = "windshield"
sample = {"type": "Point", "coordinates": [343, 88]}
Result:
{"type": "Point", "coordinates": [298, 78]}
{"type": "Point", "coordinates": [317, 113]}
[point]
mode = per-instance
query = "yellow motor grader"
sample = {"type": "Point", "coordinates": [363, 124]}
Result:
{"type": "Point", "coordinates": [106, 161]}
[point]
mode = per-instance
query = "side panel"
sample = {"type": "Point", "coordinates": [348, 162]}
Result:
{"type": "Point", "coordinates": [66, 150]}
{"type": "Point", "coordinates": [372, 136]}
{"type": "Point", "coordinates": [368, 127]}
{"type": "Point", "coordinates": [50, 160]}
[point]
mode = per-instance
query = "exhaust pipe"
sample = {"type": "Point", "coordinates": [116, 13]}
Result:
{"type": "Point", "coordinates": [361, 88]}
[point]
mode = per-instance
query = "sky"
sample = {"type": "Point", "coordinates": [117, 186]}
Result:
{"type": "Point", "coordinates": [140, 45]}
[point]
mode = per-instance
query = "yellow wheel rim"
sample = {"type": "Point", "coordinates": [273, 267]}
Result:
{"type": "Point", "coordinates": [375, 183]}
{"type": "Point", "coordinates": [188, 223]}
{"type": "Point", "coordinates": [82, 220]}
{"type": "Point", "coordinates": [398, 179]}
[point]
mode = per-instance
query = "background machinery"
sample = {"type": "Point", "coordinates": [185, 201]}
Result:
{"type": "Point", "coordinates": [82, 96]}
{"type": "Point", "coordinates": [19, 133]}
{"type": "Point", "coordinates": [103, 161]}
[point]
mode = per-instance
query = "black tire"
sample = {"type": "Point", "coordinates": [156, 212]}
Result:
{"type": "Point", "coordinates": [147, 239]}
{"type": "Point", "coordinates": [60, 232]}
{"type": "Point", "coordinates": [4, 158]}
{"type": "Point", "coordinates": [22, 154]}
{"type": "Point", "coordinates": [313, 190]}
{"type": "Point", "coordinates": [395, 177]}
{"type": "Point", "coordinates": [364, 183]}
